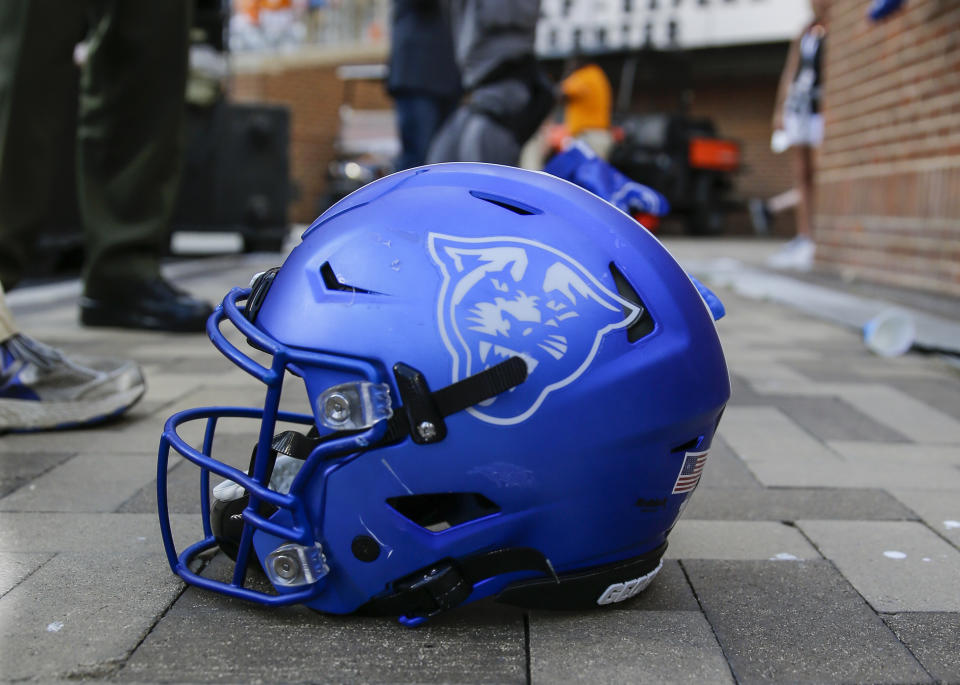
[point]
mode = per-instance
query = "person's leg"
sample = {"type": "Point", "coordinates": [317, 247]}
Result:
{"type": "Point", "coordinates": [8, 327]}
{"type": "Point", "coordinates": [419, 117]}
{"type": "Point", "coordinates": [37, 39]}
{"type": "Point", "coordinates": [803, 173]}
{"type": "Point", "coordinates": [130, 135]}
{"type": "Point", "coordinates": [129, 155]}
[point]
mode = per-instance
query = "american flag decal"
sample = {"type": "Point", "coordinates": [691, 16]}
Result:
{"type": "Point", "coordinates": [690, 472]}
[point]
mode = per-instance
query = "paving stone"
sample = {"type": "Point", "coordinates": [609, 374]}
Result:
{"type": "Point", "coordinates": [775, 448]}
{"type": "Point", "coordinates": [724, 469]}
{"type": "Point", "coordinates": [797, 621]}
{"type": "Point", "coordinates": [941, 393]}
{"type": "Point", "coordinates": [695, 539]}
{"type": "Point", "coordinates": [183, 492]}
{"type": "Point", "coordinates": [669, 591]}
{"type": "Point", "coordinates": [791, 504]}
{"type": "Point", "coordinates": [771, 373]}
{"type": "Point", "coordinates": [625, 647]}
{"type": "Point", "coordinates": [832, 418]}
{"type": "Point", "coordinates": [886, 465]}
{"type": "Point", "coordinates": [116, 534]}
{"type": "Point", "coordinates": [896, 565]}
{"type": "Point", "coordinates": [939, 509]}
{"type": "Point", "coordinates": [211, 638]}
{"type": "Point", "coordinates": [81, 613]}
{"type": "Point", "coordinates": [933, 639]}
{"type": "Point", "coordinates": [743, 394]}
{"type": "Point", "coordinates": [133, 434]}
{"type": "Point", "coordinates": [17, 468]}
{"type": "Point", "coordinates": [15, 566]}
{"type": "Point", "coordinates": [85, 483]}
{"type": "Point", "coordinates": [918, 421]}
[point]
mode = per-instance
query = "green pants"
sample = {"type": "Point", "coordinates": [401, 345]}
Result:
{"type": "Point", "coordinates": [129, 133]}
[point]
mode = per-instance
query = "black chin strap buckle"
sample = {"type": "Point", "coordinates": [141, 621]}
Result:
{"type": "Point", "coordinates": [448, 583]}
{"type": "Point", "coordinates": [423, 416]}
{"type": "Point", "coordinates": [423, 411]}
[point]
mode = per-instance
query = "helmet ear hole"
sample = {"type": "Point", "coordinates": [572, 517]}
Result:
{"type": "Point", "coordinates": [440, 511]}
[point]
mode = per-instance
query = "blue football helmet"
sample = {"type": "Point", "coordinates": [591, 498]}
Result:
{"type": "Point", "coordinates": [513, 389]}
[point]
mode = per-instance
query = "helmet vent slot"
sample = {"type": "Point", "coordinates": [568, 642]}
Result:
{"type": "Point", "coordinates": [688, 445]}
{"type": "Point", "coordinates": [440, 511]}
{"type": "Point", "coordinates": [644, 324]}
{"type": "Point", "coordinates": [508, 204]}
{"type": "Point", "coordinates": [331, 282]}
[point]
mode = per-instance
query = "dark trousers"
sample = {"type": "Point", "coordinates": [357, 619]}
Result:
{"type": "Point", "coordinates": [419, 117]}
{"type": "Point", "coordinates": [129, 132]}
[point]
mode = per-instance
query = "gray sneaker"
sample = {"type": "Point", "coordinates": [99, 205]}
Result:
{"type": "Point", "coordinates": [42, 389]}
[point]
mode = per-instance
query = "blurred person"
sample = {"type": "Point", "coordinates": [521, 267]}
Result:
{"type": "Point", "coordinates": [587, 101]}
{"type": "Point", "coordinates": [798, 124]}
{"type": "Point", "coordinates": [41, 388]}
{"type": "Point", "coordinates": [507, 95]}
{"type": "Point", "coordinates": [423, 80]}
{"type": "Point", "coordinates": [129, 147]}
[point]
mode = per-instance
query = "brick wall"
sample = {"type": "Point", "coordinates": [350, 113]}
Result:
{"type": "Point", "coordinates": [888, 188]}
{"type": "Point", "coordinates": [308, 84]}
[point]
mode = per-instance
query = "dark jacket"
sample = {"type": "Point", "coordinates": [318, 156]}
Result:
{"type": "Point", "coordinates": [421, 50]}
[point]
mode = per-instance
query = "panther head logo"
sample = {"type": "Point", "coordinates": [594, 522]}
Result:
{"type": "Point", "coordinates": [507, 297]}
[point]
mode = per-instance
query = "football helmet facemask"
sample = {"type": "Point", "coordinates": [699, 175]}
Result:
{"type": "Point", "coordinates": [513, 390]}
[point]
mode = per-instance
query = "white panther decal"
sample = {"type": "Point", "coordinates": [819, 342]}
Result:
{"type": "Point", "coordinates": [507, 297]}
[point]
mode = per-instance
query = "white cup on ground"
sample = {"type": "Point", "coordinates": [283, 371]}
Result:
{"type": "Point", "coordinates": [890, 333]}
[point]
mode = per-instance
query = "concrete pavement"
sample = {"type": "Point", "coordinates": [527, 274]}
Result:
{"type": "Point", "coordinates": [823, 544]}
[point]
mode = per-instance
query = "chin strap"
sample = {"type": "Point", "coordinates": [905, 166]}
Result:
{"type": "Point", "coordinates": [422, 414]}
{"type": "Point", "coordinates": [448, 583]}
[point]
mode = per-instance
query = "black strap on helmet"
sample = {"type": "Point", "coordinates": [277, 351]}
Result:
{"type": "Point", "coordinates": [447, 583]}
{"type": "Point", "coordinates": [422, 412]}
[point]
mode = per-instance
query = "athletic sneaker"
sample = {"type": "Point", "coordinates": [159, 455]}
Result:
{"type": "Point", "coordinates": [796, 255]}
{"type": "Point", "coordinates": [41, 388]}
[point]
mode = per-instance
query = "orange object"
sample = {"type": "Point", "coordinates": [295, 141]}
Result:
{"type": "Point", "coordinates": [588, 99]}
{"type": "Point", "coordinates": [714, 154]}
{"type": "Point", "coordinates": [648, 221]}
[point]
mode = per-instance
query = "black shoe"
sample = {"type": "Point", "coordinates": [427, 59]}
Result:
{"type": "Point", "coordinates": [155, 305]}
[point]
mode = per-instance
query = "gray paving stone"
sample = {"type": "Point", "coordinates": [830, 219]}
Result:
{"type": "Point", "coordinates": [625, 647]}
{"type": "Point", "coordinates": [939, 509]}
{"type": "Point", "coordinates": [895, 565]}
{"type": "Point", "coordinates": [775, 448]}
{"type": "Point", "coordinates": [183, 492]}
{"type": "Point", "coordinates": [133, 434]}
{"type": "Point", "coordinates": [88, 482]}
{"type": "Point", "coordinates": [669, 591]}
{"type": "Point", "coordinates": [892, 466]}
{"type": "Point", "coordinates": [933, 638]}
{"type": "Point", "coordinates": [743, 394]}
{"type": "Point", "coordinates": [115, 534]}
{"type": "Point", "coordinates": [791, 504]}
{"type": "Point", "coordinates": [724, 469]}
{"type": "Point", "coordinates": [695, 539]}
{"type": "Point", "coordinates": [81, 613]}
{"type": "Point", "coordinates": [916, 420]}
{"type": "Point", "coordinates": [797, 622]}
{"type": "Point", "coordinates": [15, 566]}
{"type": "Point", "coordinates": [828, 370]}
{"type": "Point", "coordinates": [942, 393]}
{"type": "Point", "coordinates": [832, 418]}
{"type": "Point", "coordinates": [211, 638]}
{"type": "Point", "coordinates": [17, 468]}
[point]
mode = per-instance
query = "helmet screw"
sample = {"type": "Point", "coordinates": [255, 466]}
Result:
{"type": "Point", "coordinates": [337, 408]}
{"type": "Point", "coordinates": [427, 430]}
{"type": "Point", "coordinates": [286, 567]}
